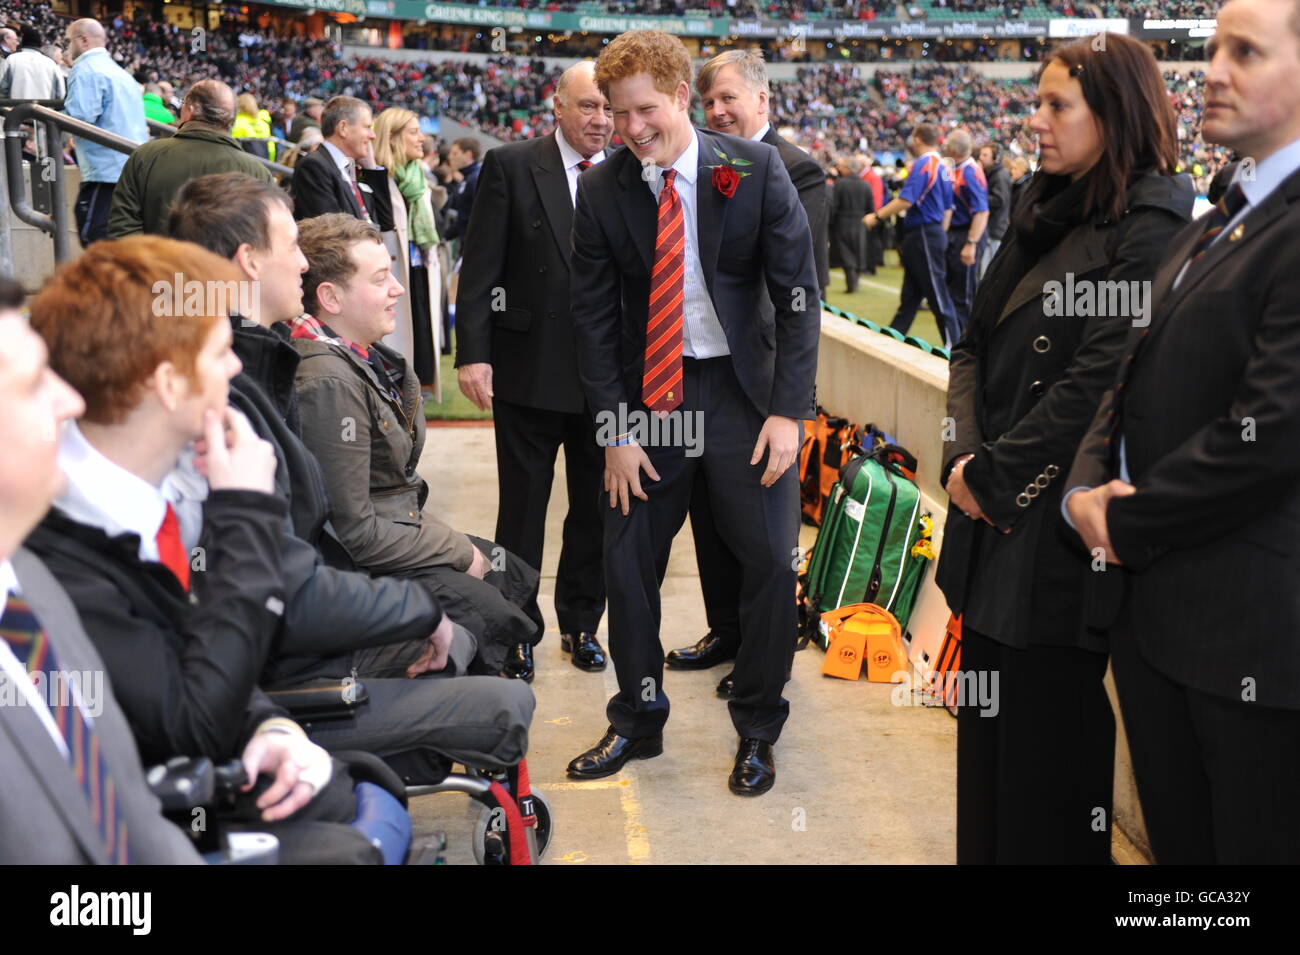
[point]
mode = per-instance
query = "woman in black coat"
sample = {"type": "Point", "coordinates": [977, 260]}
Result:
{"type": "Point", "coordinates": [1047, 334]}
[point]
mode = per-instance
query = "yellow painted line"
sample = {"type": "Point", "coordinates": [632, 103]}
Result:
{"type": "Point", "coordinates": [634, 830]}
{"type": "Point", "coordinates": [581, 785]}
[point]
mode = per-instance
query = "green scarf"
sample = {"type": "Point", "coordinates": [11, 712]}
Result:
{"type": "Point", "coordinates": [411, 182]}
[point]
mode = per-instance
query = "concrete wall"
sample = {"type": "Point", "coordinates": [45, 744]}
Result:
{"type": "Point", "coordinates": [868, 377]}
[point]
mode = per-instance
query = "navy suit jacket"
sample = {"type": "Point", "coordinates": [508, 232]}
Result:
{"type": "Point", "coordinates": [758, 237]}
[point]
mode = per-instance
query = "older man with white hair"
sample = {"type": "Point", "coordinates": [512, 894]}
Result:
{"type": "Point", "coordinates": [516, 352]}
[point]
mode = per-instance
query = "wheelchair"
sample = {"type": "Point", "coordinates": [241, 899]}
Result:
{"type": "Point", "coordinates": [515, 823]}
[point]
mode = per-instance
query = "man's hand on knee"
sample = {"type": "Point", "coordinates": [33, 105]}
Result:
{"type": "Point", "coordinates": [623, 467]}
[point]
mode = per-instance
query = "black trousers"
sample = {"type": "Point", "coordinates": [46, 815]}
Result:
{"type": "Point", "coordinates": [720, 572]}
{"type": "Point", "coordinates": [94, 200]}
{"type": "Point", "coordinates": [527, 441]}
{"type": "Point", "coordinates": [760, 525]}
{"type": "Point", "coordinates": [962, 279]}
{"type": "Point", "coordinates": [925, 275]}
{"type": "Point", "coordinates": [1218, 779]}
{"type": "Point", "coordinates": [1034, 777]}
{"type": "Point", "coordinates": [500, 610]}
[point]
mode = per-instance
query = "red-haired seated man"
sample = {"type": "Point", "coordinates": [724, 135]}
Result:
{"type": "Point", "coordinates": [183, 636]}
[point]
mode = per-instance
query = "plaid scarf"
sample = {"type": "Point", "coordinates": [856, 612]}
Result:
{"type": "Point", "coordinates": [305, 326]}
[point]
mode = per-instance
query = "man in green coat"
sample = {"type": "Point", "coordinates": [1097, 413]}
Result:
{"type": "Point", "coordinates": [155, 171]}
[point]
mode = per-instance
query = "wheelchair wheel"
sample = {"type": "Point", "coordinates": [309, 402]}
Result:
{"type": "Point", "coordinates": [490, 840]}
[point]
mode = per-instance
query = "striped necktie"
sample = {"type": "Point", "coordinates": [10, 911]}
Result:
{"type": "Point", "coordinates": [1227, 207]}
{"type": "Point", "coordinates": [356, 191]}
{"type": "Point", "coordinates": [584, 165]}
{"type": "Point", "coordinates": [661, 383]}
{"type": "Point", "coordinates": [22, 630]}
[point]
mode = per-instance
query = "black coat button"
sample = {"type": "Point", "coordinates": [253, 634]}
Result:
{"type": "Point", "coordinates": [537, 223]}
{"type": "Point", "coordinates": [1042, 343]}
{"type": "Point", "coordinates": [1037, 389]}
{"type": "Point", "coordinates": [541, 269]}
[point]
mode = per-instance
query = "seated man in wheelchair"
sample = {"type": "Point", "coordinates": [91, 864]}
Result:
{"type": "Point", "coordinates": [186, 617]}
{"type": "Point", "coordinates": [362, 416]}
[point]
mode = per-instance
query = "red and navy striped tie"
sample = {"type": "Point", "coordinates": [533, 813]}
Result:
{"type": "Point", "coordinates": [1227, 207]}
{"type": "Point", "coordinates": [22, 630]}
{"type": "Point", "coordinates": [661, 383]}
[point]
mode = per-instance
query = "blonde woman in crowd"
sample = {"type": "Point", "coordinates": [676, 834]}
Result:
{"type": "Point", "coordinates": [413, 243]}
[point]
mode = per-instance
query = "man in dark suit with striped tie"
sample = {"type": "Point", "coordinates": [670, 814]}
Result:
{"type": "Point", "coordinates": [672, 239]}
{"type": "Point", "coordinates": [733, 88]}
{"type": "Point", "coordinates": [63, 739]}
{"type": "Point", "coordinates": [1188, 485]}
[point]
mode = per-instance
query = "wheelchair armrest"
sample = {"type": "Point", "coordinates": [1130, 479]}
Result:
{"type": "Point", "coordinates": [322, 699]}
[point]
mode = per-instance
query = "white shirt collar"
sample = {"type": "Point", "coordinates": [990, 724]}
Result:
{"type": "Point", "coordinates": [340, 159]}
{"type": "Point", "coordinates": [687, 164]}
{"type": "Point", "coordinates": [1270, 173]}
{"type": "Point", "coordinates": [102, 494]}
{"type": "Point", "coordinates": [570, 156]}
{"type": "Point", "coordinates": [758, 136]}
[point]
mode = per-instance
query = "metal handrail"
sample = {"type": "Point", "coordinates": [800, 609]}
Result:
{"type": "Point", "coordinates": [57, 124]}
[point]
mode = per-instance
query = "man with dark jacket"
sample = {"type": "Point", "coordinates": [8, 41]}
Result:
{"type": "Point", "coordinates": [999, 181]}
{"type": "Point", "coordinates": [1188, 485]}
{"type": "Point", "coordinates": [731, 345]}
{"type": "Point", "coordinates": [337, 620]}
{"type": "Point", "coordinates": [851, 200]}
{"type": "Point", "coordinates": [463, 157]}
{"type": "Point", "coordinates": [342, 176]}
{"type": "Point", "coordinates": [735, 93]}
{"type": "Point", "coordinates": [516, 353]}
{"type": "Point", "coordinates": [155, 171]}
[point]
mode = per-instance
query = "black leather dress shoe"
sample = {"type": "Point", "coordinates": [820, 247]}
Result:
{"type": "Point", "coordinates": [709, 651]}
{"type": "Point", "coordinates": [755, 769]}
{"type": "Point", "coordinates": [519, 663]}
{"type": "Point", "coordinates": [727, 688]}
{"type": "Point", "coordinates": [587, 654]}
{"type": "Point", "coordinates": [609, 755]}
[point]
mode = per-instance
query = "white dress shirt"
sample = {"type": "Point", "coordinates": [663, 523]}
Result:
{"type": "Point", "coordinates": [105, 495]}
{"type": "Point", "coordinates": [702, 334]}
{"type": "Point", "coordinates": [758, 136]}
{"type": "Point", "coordinates": [571, 157]}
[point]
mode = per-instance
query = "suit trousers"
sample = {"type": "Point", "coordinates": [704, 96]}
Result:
{"type": "Point", "coordinates": [527, 441]}
{"type": "Point", "coordinates": [760, 525]}
{"type": "Point", "coordinates": [720, 572]}
{"type": "Point", "coordinates": [1218, 779]}
{"type": "Point", "coordinates": [925, 275]}
{"type": "Point", "coordinates": [962, 281]}
{"type": "Point", "coordinates": [1034, 775]}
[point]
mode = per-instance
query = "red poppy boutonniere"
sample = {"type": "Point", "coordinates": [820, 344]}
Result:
{"type": "Point", "coordinates": [726, 177]}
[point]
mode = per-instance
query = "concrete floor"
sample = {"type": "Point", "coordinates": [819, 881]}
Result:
{"type": "Point", "coordinates": [859, 779]}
